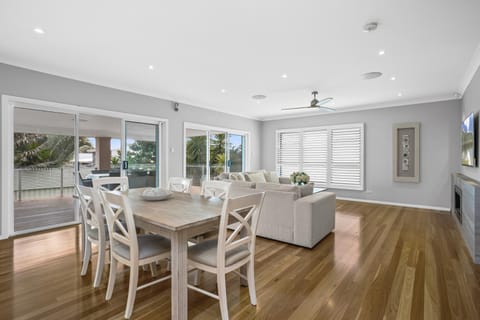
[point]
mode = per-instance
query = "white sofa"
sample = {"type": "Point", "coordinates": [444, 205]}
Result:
{"type": "Point", "coordinates": [291, 213]}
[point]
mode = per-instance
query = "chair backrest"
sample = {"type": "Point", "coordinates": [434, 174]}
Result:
{"type": "Point", "coordinates": [242, 213]}
{"type": "Point", "coordinates": [179, 184]}
{"type": "Point", "coordinates": [117, 209]}
{"type": "Point", "coordinates": [91, 210]}
{"type": "Point", "coordinates": [215, 188]}
{"type": "Point", "coordinates": [83, 181]}
{"type": "Point", "coordinates": [111, 183]}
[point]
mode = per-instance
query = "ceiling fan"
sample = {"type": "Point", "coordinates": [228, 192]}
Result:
{"type": "Point", "coordinates": [315, 104]}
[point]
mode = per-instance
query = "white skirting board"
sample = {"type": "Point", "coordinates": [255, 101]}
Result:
{"type": "Point", "coordinates": [396, 204]}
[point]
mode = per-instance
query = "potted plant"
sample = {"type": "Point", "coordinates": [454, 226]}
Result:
{"type": "Point", "coordinates": [299, 178]}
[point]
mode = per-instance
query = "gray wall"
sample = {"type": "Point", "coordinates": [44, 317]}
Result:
{"type": "Point", "coordinates": [439, 150]}
{"type": "Point", "coordinates": [471, 103]}
{"type": "Point", "coordinates": [31, 84]}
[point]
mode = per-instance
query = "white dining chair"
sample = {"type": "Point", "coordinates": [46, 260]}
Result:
{"type": "Point", "coordinates": [129, 248]}
{"type": "Point", "coordinates": [111, 183]}
{"type": "Point", "coordinates": [94, 230]}
{"type": "Point", "coordinates": [179, 184]}
{"type": "Point", "coordinates": [230, 251]}
{"type": "Point", "coordinates": [215, 189]}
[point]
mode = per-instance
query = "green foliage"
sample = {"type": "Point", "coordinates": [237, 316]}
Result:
{"type": "Point", "coordinates": [45, 150]}
{"type": "Point", "coordinates": [142, 153]}
{"type": "Point", "coordinates": [217, 154]}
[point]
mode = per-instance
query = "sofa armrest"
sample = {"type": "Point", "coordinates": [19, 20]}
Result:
{"type": "Point", "coordinates": [314, 218]}
{"type": "Point", "coordinates": [284, 180]}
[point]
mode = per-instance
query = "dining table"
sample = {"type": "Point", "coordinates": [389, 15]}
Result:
{"type": "Point", "coordinates": [179, 218]}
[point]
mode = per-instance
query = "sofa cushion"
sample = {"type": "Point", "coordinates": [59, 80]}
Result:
{"type": "Point", "coordinates": [255, 177]}
{"type": "Point", "coordinates": [279, 187]}
{"type": "Point", "coordinates": [242, 184]}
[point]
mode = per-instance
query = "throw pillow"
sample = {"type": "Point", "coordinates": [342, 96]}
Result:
{"type": "Point", "coordinates": [237, 176]}
{"type": "Point", "coordinates": [256, 177]}
{"type": "Point", "coordinates": [274, 177]}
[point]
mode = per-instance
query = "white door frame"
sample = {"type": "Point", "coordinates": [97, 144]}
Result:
{"type": "Point", "coordinates": [8, 104]}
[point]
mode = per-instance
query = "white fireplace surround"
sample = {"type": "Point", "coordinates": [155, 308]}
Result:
{"type": "Point", "coordinates": [469, 224]}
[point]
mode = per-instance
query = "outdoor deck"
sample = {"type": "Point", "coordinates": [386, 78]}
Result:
{"type": "Point", "coordinates": [33, 214]}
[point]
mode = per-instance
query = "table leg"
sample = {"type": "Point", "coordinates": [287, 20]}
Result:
{"type": "Point", "coordinates": [179, 276]}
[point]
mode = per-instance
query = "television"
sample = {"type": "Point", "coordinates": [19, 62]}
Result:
{"type": "Point", "coordinates": [469, 135]}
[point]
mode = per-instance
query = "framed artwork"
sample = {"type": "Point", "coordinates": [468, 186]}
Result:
{"type": "Point", "coordinates": [406, 152]}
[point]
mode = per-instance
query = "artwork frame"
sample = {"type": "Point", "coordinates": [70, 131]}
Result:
{"type": "Point", "coordinates": [406, 152]}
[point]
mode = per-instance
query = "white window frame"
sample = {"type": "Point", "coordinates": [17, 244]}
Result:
{"type": "Point", "coordinates": [207, 128]}
{"type": "Point", "coordinates": [329, 128]}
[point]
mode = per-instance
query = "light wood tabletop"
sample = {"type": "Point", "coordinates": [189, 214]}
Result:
{"type": "Point", "coordinates": [179, 218]}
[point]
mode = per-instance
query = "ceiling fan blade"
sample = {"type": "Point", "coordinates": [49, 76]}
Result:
{"type": "Point", "coordinates": [324, 101]}
{"type": "Point", "coordinates": [326, 109]}
{"type": "Point", "coordinates": [295, 108]}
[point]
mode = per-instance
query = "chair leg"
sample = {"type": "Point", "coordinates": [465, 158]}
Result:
{"type": "Point", "coordinates": [251, 283]}
{"type": "Point", "coordinates": [222, 295]}
{"type": "Point", "coordinates": [87, 253]}
{"type": "Point", "coordinates": [100, 265]}
{"type": "Point", "coordinates": [111, 278]}
{"type": "Point", "coordinates": [153, 269]}
{"type": "Point", "coordinates": [132, 290]}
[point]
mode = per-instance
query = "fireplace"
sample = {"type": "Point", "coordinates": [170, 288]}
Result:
{"type": "Point", "coordinates": [458, 203]}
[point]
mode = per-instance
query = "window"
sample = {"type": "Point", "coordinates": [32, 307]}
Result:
{"type": "Point", "coordinates": [332, 156]}
{"type": "Point", "coordinates": [211, 151]}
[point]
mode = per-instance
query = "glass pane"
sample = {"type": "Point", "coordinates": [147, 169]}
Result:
{"type": "Point", "coordinates": [44, 148]}
{"type": "Point", "coordinates": [217, 153]}
{"type": "Point", "coordinates": [100, 147]}
{"type": "Point", "coordinates": [235, 148]}
{"type": "Point", "coordinates": [141, 154]}
{"type": "Point", "coordinates": [196, 156]}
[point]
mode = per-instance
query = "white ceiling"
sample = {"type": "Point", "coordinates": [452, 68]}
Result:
{"type": "Point", "coordinates": [199, 48]}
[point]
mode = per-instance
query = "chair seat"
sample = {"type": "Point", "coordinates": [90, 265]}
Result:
{"type": "Point", "coordinates": [149, 245]}
{"type": "Point", "coordinates": [206, 253]}
{"type": "Point", "coordinates": [93, 233]}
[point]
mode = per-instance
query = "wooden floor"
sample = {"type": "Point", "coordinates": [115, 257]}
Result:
{"type": "Point", "coordinates": [382, 262]}
{"type": "Point", "coordinates": [32, 214]}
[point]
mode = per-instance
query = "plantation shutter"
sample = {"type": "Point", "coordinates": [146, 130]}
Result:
{"type": "Point", "coordinates": [346, 157]}
{"type": "Point", "coordinates": [288, 153]}
{"type": "Point", "coordinates": [315, 156]}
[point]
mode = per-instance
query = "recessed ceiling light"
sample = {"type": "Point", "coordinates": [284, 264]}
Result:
{"type": "Point", "coordinates": [284, 76]}
{"type": "Point", "coordinates": [393, 78]}
{"type": "Point", "coordinates": [39, 31]}
{"type": "Point", "coordinates": [223, 91]}
{"type": "Point", "coordinates": [371, 75]}
{"type": "Point", "coordinates": [399, 94]}
{"type": "Point", "coordinates": [259, 97]}
{"type": "Point", "coordinates": [151, 67]}
{"type": "Point", "coordinates": [381, 52]}
{"type": "Point", "coordinates": [371, 26]}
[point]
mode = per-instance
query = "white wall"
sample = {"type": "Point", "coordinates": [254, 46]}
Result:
{"type": "Point", "coordinates": [439, 150]}
{"type": "Point", "coordinates": [471, 103]}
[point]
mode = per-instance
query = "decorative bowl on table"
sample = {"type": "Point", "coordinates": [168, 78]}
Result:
{"type": "Point", "coordinates": [156, 194]}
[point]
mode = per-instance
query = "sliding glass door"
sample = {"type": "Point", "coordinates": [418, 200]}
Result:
{"type": "Point", "coordinates": [141, 162]}
{"type": "Point", "coordinates": [44, 169]}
